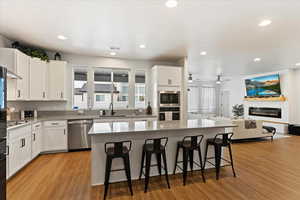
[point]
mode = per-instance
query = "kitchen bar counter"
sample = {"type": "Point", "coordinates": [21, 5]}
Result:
{"type": "Point", "coordinates": [133, 126]}
{"type": "Point", "coordinates": [139, 130]}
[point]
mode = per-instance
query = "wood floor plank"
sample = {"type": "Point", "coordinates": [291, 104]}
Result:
{"type": "Point", "coordinates": [265, 171]}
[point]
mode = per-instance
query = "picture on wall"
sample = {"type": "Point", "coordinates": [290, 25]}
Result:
{"type": "Point", "coordinates": [268, 85]}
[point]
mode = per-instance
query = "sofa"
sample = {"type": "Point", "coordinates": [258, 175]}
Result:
{"type": "Point", "coordinates": [247, 129]}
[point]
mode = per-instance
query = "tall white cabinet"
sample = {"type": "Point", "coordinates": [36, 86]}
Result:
{"type": "Point", "coordinates": [38, 79]}
{"type": "Point", "coordinates": [57, 80]}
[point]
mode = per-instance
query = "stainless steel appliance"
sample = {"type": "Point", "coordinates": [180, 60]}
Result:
{"type": "Point", "coordinates": [3, 146]}
{"type": "Point", "coordinates": [169, 113]}
{"type": "Point", "coordinates": [78, 138]}
{"type": "Point", "coordinates": [168, 98]}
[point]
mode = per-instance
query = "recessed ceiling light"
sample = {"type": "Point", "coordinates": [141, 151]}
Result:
{"type": "Point", "coordinates": [257, 59]}
{"type": "Point", "coordinates": [113, 53]}
{"type": "Point", "coordinates": [61, 37]}
{"type": "Point", "coordinates": [265, 22]}
{"type": "Point", "coordinates": [298, 64]}
{"type": "Point", "coordinates": [142, 46]}
{"type": "Point", "coordinates": [203, 53]}
{"type": "Point", "coordinates": [171, 3]}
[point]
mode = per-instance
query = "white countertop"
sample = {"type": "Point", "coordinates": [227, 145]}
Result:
{"type": "Point", "coordinates": [154, 125]}
{"type": "Point", "coordinates": [81, 117]}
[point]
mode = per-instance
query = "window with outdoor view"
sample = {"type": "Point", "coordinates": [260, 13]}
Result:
{"type": "Point", "coordinates": [140, 89]}
{"type": "Point", "coordinates": [80, 95]}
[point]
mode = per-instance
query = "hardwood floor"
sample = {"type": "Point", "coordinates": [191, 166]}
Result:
{"type": "Point", "coordinates": [265, 170]}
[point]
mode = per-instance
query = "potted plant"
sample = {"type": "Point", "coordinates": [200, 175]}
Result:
{"type": "Point", "coordinates": [238, 110]}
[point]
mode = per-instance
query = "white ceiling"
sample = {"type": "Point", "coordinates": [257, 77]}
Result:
{"type": "Point", "coordinates": [226, 29]}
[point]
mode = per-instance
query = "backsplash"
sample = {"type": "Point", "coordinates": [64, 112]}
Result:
{"type": "Point", "coordinates": [53, 113]}
{"type": "Point", "coordinates": [38, 105]}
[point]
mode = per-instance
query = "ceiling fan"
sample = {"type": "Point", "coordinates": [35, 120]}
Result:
{"type": "Point", "coordinates": [220, 79]}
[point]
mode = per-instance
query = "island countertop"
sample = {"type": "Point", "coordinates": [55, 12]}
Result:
{"type": "Point", "coordinates": [130, 126]}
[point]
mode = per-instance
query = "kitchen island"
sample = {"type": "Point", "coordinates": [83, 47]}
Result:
{"type": "Point", "coordinates": [139, 130]}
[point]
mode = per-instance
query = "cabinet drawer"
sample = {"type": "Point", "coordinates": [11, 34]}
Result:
{"type": "Point", "coordinates": [55, 123]}
{"type": "Point", "coordinates": [19, 132]}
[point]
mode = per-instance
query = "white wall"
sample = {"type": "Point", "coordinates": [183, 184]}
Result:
{"type": "Point", "coordinates": [4, 42]}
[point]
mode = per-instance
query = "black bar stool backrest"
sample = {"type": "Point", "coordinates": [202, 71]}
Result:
{"type": "Point", "coordinates": [157, 143]}
{"type": "Point", "coordinates": [226, 138]}
{"type": "Point", "coordinates": [195, 140]}
{"type": "Point", "coordinates": [118, 147]}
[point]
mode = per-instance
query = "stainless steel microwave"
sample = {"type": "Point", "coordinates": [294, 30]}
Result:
{"type": "Point", "coordinates": [169, 98]}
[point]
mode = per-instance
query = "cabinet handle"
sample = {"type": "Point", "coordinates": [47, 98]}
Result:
{"type": "Point", "coordinates": [34, 137]}
{"type": "Point", "coordinates": [21, 143]}
{"type": "Point", "coordinates": [24, 142]}
{"type": "Point", "coordinates": [169, 81]}
{"type": "Point", "coordinates": [61, 95]}
{"type": "Point", "coordinates": [64, 131]}
{"type": "Point", "coordinates": [19, 93]}
{"type": "Point", "coordinates": [7, 151]}
{"type": "Point", "coordinates": [54, 123]}
{"type": "Point", "coordinates": [44, 95]}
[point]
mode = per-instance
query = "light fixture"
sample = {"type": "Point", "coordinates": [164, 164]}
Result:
{"type": "Point", "coordinates": [171, 3]}
{"type": "Point", "coordinates": [190, 79]}
{"type": "Point", "coordinates": [62, 37]}
{"type": "Point", "coordinates": [142, 46]}
{"type": "Point", "coordinates": [12, 75]}
{"type": "Point", "coordinates": [113, 53]}
{"type": "Point", "coordinates": [297, 64]}
{"type": "Point", "coordinates": [257, 59]}
{"type": "Point", "coordinates": [203, 53]}
{"type": "Point", "coordinates": [265, 22]}
{"type": "Point", "coordinates": [218, 80]}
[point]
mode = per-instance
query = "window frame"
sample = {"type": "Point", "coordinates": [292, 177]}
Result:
{"type": "Point", "coordinates": [91, 99]}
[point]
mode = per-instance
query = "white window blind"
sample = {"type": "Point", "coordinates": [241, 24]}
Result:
{"type": "Point", "coordinates": [207, 100]}
{"type": "Point", "coordinates": [202, 99]}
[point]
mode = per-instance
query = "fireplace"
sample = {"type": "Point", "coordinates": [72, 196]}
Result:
{"type": "Point", "coordinates": [265, 112]}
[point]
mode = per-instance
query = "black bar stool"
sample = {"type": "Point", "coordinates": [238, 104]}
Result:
{"type": "Point", "coordinates": [155, 146]}
{"type": "Point", "coordinates": [189, 144]}
{"type": "Point", "coordinates": [219, 141]}
{"type": "Point", "coordinates": [117, 150]}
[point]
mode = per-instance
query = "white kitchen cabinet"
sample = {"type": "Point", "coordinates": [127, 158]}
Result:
{"type": "Point", "coordinates": [38, 79]}
{"type": "Point", "coordinates": [36, 140]}
{"type": "Point", "coordinates": [17, 62]}
{"type": "Point", "coordinates": [19, 143]}
{"type": "Point", "coordinates": [55, 136]}
{"type": "Point", "coordinates": [167, 75]}
{"type": "Point", "coordinates": [22, 92]}
{"type": "Point", "coordinates": [57, 80]}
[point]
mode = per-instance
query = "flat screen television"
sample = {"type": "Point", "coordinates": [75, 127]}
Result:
{"type": "Point", "coordinates": [268, 85]}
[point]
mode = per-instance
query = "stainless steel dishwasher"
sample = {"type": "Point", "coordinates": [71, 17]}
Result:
{"type": "Point", "coordinates": [78, 138]}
